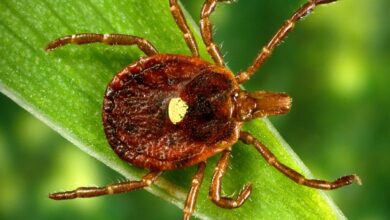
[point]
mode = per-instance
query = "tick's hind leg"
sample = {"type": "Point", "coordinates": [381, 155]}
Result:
{"type": "Point", "coordinates": [85, 192]}
{"type": "Point", "coordinates": [177, 14]}
{"type": "Point", "coordinates": [292, 174]}
{"type": "Point", "coordinates": [197, 180]}
{"type": "Point", "coordinates": [111, 39]}
{"type": "Point", "coordinates": [278, 37]}
{"type": "Point", "coordinates": [215, 188]}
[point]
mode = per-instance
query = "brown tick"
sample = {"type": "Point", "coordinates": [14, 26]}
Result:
{"type": "Point", "coordinates": [168, 111]}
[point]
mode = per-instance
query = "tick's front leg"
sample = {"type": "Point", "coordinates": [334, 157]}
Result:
{"type": "Point", "coordinates": [294, 175]}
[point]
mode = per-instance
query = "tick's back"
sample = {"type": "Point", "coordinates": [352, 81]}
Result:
{"type": "Point", "coordinates": [140, 127]}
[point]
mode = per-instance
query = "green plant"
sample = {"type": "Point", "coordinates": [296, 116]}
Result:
{"type": "Point", "coordinates": [65, 89]}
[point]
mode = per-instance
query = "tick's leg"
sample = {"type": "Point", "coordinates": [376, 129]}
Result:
{"type": "Point", "coordinates": [206, 30]}
{"type": "Point", "coordinates": [189, 206]}
{"type": "Point", "coordinates": [85, 192]}
{"type": "Point", "coordinates": [215, 188]}
{"type": "Point", "coordinates": [292, 174]}
{"type": "Point", "coordinates": [278, 37]}
{"type": "Point", "coordinates": [177, 14]}
{"type": "Point", "coordinates": [111, 39]}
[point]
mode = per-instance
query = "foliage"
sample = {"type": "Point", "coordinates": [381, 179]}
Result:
{"type": "Point", "coordinates": [64, 89]}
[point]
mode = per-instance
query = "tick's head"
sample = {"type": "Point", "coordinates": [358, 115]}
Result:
{"type": "Point", "coordinates": [249, 105]}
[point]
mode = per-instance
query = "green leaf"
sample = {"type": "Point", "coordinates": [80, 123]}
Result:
{"type": "Point", "coordinates": [64, 89]}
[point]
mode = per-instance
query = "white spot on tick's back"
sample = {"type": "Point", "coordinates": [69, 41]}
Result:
{"type": "Point", "coordinates": [177, 109]}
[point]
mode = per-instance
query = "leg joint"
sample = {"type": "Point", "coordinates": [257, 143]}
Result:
{"type": "Point", "coordinates": [110, 190]}
{"type": "Point", "coordinates": [173, 8]}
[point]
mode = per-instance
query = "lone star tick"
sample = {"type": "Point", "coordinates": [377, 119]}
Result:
{"type": "Point", "coordinates": [169, 111]}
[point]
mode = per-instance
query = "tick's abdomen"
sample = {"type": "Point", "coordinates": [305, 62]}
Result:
{"type": "Point", "coordinates": [136, 119]}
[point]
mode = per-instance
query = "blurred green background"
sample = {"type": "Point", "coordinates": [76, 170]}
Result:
{"type": "Point", "coordinates": [335, 65]}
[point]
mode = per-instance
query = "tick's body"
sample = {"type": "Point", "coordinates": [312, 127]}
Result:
{"type": "Point", "coordinates": [135, 112]}
{"type": "Point", "coordinates": [167, 112]}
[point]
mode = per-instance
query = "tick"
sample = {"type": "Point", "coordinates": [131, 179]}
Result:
{"type": "Point", "coordinates": [170, 111]}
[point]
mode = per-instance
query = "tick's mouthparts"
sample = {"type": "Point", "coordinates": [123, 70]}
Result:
{"type": "Point", "coordinates": [260, 104]}
{"type": "Point", "coordinates": [270, 103]}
